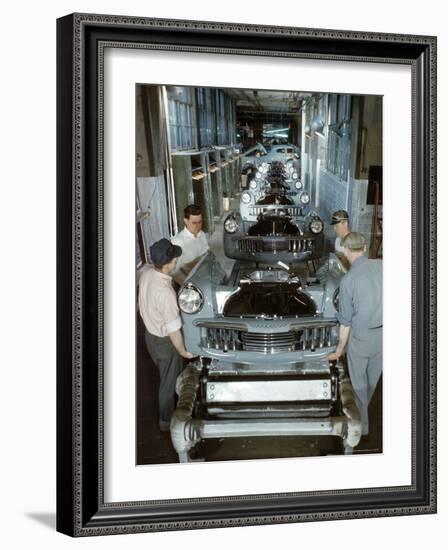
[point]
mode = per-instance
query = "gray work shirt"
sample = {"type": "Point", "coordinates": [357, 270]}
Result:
{"type": "Point", "coordinates": [361, 296]}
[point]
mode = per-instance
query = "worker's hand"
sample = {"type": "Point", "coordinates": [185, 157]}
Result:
{"type": "Point", "coordinates": [334, 356]}
{"type": "Point", "coordinates": [188, 355]}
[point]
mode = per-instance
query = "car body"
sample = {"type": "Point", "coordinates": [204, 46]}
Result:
{"type": "Point", "coordinates": [275, 221]}
{"type": "Point", "coordinates": [260, 185]}
{"type": "Point", "coordinates": [276, 236]}
{"type": "Point", "coordinates": [262, 337]}
{"type": "Point", "coordinates": [248, 300]}
{"type": "Point", "coordinates": [285, 153]}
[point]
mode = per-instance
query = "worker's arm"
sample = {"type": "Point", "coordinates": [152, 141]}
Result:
{"type": "Point", "coordinates": [178, 342]}
{"type": "Point", "coordinates": [344, 317]}
{"type": "Point", "coordinates": [344, 333]}
{"type": "Point", "coordinates": [170, 315]}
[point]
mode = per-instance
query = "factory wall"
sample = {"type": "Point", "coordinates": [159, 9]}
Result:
{"type": "Point", "coordinates": [342, 141]}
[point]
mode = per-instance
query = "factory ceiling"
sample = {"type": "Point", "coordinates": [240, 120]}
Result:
{"type": "Point", "coordinates": [267, 101]}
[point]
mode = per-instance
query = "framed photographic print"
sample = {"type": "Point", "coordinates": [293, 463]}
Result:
{"type": "Point", "coordinates": [246, 274]}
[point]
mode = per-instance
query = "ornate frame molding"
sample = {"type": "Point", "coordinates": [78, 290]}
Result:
{"type": "Point", "coordinates": [82, 39]}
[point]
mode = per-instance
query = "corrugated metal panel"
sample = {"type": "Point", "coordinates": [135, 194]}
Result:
{"type": "Point", "coordinates": [152, 200]}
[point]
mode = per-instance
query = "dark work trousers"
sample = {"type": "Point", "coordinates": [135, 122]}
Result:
{"type": "Point", "coordinates": [170, 365]}
{"type": "Point", "coordinates": [365, 364]}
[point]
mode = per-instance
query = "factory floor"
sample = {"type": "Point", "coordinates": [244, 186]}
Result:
{"type": "Point", "coordinates": [154, 446]}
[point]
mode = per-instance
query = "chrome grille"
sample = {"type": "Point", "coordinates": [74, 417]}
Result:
{"type": "Point", "coordinates": [224, 339]}
{"type": "Point", "coordinates": [256, 210]}
{"type": "Point", "coordinates": [250, 245]}
{"type": "Point", "coordinates": [300, 245]}
{"type": "Point", "coordinates": [306, 339]}
{"type": "Point", "coordinates": [292, 210]}
{"type": "Point", "coordinates": [267, 343]}
{"type": "Point", "coordinates": [267, 244]}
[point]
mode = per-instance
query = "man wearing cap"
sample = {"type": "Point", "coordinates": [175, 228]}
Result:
{"type": "Point", "coordinates": [361, 321]}
{"type": "Point", "coordinates": [193, 242]}
{"type": "Point", "coordinates": [340, 221]}
{"type": "Point", "coordinates": [163, 337]}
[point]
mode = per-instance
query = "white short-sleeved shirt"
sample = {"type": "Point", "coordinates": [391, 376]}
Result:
{"type": "Point", "coordinates": [157, 302]}
{"type": "Point", "coordinates": [193, 248]}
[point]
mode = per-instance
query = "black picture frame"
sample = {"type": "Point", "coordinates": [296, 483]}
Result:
{"type": "Point", "coordinates": [81, 509]}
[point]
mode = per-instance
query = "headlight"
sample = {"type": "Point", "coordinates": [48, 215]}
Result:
{"type": "Point", "coordinates": [335, 268]}
{"type": "Point", "coordinates": [246, 197]}
{"type": "Point", "coordinates": [230, 225]}
{"type": "Point", "coordinates": [304, 198]}
{"type": "Point", "coordinates": [190, 299]}
{"type": "Point", "coordinates": [298, 184]}
{"type": "Point", "coordinates": [316, 226]}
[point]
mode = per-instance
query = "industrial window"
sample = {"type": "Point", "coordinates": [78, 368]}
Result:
{"type": "Point", "coordinates": [339, 135]}
{"type": "Point", "coordinates": [181, 118]}
{"type": "Point", "coordinates": [225, 119]}
{"type": "Point", "coordinates": [221, 127]}
{"type": "Point", "coordinates": [206, 117]}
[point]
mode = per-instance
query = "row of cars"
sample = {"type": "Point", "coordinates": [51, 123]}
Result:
{"type": "Point", "coordinates": [278, 152]}
{"type": "Point", "coordinates": [262, 333]}
{"type": "Point", "coordinates": [274, 222]}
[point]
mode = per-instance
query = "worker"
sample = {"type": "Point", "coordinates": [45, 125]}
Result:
{"type": "Point", "coordinates": [361, 321]}
{"type": "Point", "coordinates": [340, 223]}
{"type": "Point", "coordinates": [163, 337]}
{"type": "Point", "coordinates": [193, 242]}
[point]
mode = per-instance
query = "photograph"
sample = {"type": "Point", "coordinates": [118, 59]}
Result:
{"type": "Point", "coordinates": [259, 273]}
